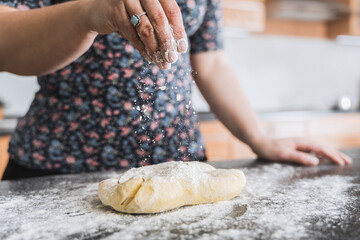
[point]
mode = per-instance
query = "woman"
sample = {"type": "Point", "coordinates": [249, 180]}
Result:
{"type": "Point", "coordinates": [102, 106]}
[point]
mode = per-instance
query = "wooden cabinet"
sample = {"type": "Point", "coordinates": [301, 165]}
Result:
{"type": "Point", "coordinates": [349, 25]}
{"type": "Point", "coordinates": [1, 111]}
{"type": "Point", "coordinates": [337, 130]}
{"type": "Point", "coordinates": [221, 144]}
{"type": "Point", "coordinates": [296, 28]}
{"type": "Point", "coordinates": [314, 18]}
{"type": "Point", "coordinates": [319, 19]}
{"type": "Point", "coordinates": [247, 15]}
{"type": "Point", "coordinates": [4, 156]}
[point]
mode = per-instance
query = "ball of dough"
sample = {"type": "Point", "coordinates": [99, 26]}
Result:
{"type": "Point", "coordinates": [170, 185]}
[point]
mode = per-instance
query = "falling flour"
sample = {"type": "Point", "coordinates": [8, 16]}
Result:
{"type": "Point", "coordinates": [274, 205]}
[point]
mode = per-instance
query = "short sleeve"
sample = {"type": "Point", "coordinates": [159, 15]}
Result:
{"type": "Point", "coordinates": [25, 4]}
{"type": "Point", "coordinates": [209, 35]}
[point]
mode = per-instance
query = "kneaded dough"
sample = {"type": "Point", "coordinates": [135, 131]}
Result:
{"type": "Point", "coordinates": [170, 185]}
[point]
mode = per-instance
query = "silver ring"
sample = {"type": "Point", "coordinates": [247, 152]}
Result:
{"type": "Point", "coordinates": [135, 19]}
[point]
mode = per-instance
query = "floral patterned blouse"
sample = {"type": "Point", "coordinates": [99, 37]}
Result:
{"type": "Point", "coordinates": [110, 109]}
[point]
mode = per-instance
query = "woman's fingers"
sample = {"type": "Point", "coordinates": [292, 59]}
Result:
{"type": "Point", "coordinates": [174, 17]}
{"type": "Point", "coordinates": [159, 21]}
{"type": "Point", "coordinates": [302, 158]}
{"type": "Point", "coordinates": [303, 152]}
{"type": "Point", "coordinates": [132, 35]}
{"type": "Point", "coordinates": [347, 159]}
{"type": "Point", "coordinates": [160, 30]}
{"type": "Point", "coordinates": [329, 153]}
{"type": "Point", "coordinates": [306, 145]}
{"type": "Point", "coordinates": [335, 158]}
{"type": "Point", "coordinates": [144, 31]}
{"type": "Point", "coordinates": [153, 36]}
{"type": "Point", "coordinates": [320, 152]}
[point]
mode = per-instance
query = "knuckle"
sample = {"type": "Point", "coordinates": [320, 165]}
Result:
{"type": "Point", "coordinates": [146, 31]}
{"type": "Point", "coordinates": [322, 149]}
{"type": "Point", "coordinates": [179, 31]}
{"type": "Point", "coordinates": [173, 11]}
{"type": "Point", "coordinates": [159, 19]}
{"type": "Point", "coordinates": [282, 154]}
{"type": "Point", "coordinates": [136, 43]}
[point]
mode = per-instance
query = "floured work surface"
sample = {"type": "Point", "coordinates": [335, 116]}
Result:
{"type": "Point", "coordinates": [279, 201]}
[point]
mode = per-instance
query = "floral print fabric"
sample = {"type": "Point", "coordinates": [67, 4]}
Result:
{"type": "Point", "coordinates": [111, 109]}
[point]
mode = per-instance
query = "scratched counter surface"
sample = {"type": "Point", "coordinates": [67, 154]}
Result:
{"type": "Point", "coordinates": [280, 202]}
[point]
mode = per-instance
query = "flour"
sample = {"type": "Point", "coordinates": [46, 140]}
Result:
{"type": "Point", "coordinates": [191, 171]}
{"type": "Point", "coordinates": [274, 205]}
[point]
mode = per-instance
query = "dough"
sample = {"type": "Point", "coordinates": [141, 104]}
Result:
{"type": "Point", "coordinates": [170, 185]}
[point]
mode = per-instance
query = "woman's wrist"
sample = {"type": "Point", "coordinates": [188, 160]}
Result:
{"type": "Point", "coordinates": [256, 141]}
{"type": "Point", "coordinates": [84, 7]}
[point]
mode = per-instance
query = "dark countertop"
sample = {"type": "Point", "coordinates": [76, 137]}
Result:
{"type": "Point", "coordinates": [281, 201]}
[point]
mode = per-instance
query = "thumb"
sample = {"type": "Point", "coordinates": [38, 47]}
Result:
{"type": "Point", "coordinates": [303, 158]}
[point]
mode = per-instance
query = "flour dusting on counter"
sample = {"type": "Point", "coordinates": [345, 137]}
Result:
{"type": "Point", "coordinates": [275, 204]}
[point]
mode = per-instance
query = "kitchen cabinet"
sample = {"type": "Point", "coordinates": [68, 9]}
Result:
{"type": "Point", "coordinates": [337, 130]}
{"type": "Point", "coordinates": [296, 28]}
{"type": "Point", "coordinates": [314, 18]}
{"type": "Point", "coordinates": [349, 25]}
{"type": "Point", "coordinates": [248, 15]}
{"type": "Point", "coordinates": [221, 144]}
{"type": "Point", "coordinates": [4, 156]}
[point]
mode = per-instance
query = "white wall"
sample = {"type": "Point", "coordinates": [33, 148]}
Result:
{"type": "Point", "coordinates": [277, 73]}
{"type": "Point", "coordinates": [17, 92]}
{"type": "Point", "coordinates": [285, 73]}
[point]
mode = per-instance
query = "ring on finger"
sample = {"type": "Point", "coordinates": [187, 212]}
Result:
{"type": "Point", "coordinates": [136, 19]}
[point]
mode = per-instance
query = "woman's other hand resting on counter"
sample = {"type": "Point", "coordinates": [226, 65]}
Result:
{"type": "Point", "coordinates": [299, 150]}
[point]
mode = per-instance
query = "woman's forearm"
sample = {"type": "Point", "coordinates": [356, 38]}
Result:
{"type": "Point", "coordinates": [43, 40]}
{"type": "Point", "coordinates": [39, 41]}
{"type": "Point", "coordinates": [222, 90]}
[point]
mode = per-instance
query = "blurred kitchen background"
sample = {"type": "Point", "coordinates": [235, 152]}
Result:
{"type": "Point", "coordinates": [297, 61]}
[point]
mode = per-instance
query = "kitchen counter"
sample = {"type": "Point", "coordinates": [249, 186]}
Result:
{"type": "Point", "coordinates": [5, 132]}
{"type": "Point", "coordinates": [7, 126]}
{"type": "Point", "coordinates": [281, 201]}
{"type": "Point", "coordinates": [285, 115]}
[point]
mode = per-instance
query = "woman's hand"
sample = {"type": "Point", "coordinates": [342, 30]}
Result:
{"type": "Point", "coordinates": [159, 37]}
{"type": "Point", "coordinates": [298, 150]}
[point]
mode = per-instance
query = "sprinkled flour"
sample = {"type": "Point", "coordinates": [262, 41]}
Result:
{"type": "Point", "coordinates": [275, 204]}
{"type": "Point", "coordinates": [190, 170]}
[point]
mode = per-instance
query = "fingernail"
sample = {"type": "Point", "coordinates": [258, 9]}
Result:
{"type": "Point", "coordinates": [150, 60]}
{"type": "Point", "coordinates": [166, 66]}
{"type": "Point", "coordinates": [182, 45]}
{"type": "Point", "coordinates": [314, 160]}
{"type": "Point", "coordinates": [171, 56]}
{"type": "Point", "coordinates": [147, 57]}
